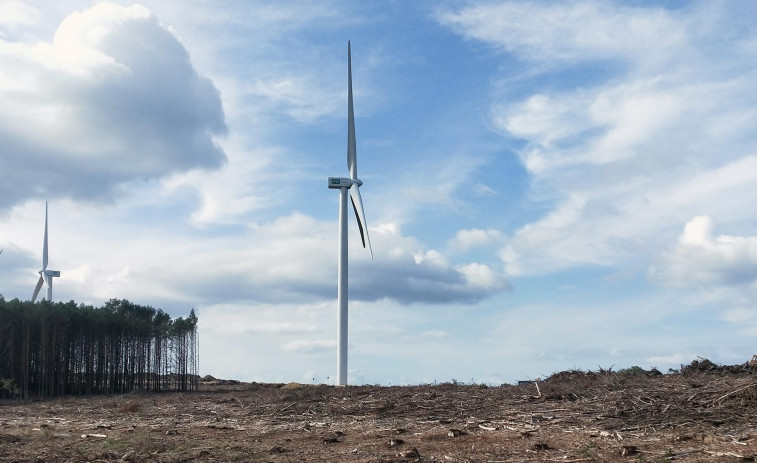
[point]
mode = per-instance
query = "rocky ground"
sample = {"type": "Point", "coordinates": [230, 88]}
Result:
{"type": "Point", "coordinates": [703, 413]}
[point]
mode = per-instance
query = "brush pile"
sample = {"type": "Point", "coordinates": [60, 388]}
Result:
{"type": "Point", "coordinates": [704, 412]}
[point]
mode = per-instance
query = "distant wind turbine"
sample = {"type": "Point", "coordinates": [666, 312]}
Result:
{"type": "Point", "coordinates": [45, 275]}
{"type": "Point", "coordinates": [343, 185]}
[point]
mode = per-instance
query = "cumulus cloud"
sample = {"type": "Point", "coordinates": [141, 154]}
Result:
{"type": "Point", "coordinates": [113, 98]}
{"type": "Point", "coordinates": [14, 14]}
{"type": "Point", "coordinates": [475, 237]}
{"type": "Point", "coordinates": [405, 271]}
{"type": "Point", "coordinates": [483, 277]}
{"type": "Point", "coordinates": [290, 260]}
{"type": "Point", "coordinates": [701, 258]}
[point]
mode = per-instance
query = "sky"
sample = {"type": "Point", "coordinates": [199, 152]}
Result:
{"type": "Point", "coordinates": [548, 185]}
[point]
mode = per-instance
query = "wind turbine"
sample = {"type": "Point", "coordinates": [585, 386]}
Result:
{"type": "Point", "coordinates": [351, 184]}
{"type": "Point", "coordinates": [45, 275]}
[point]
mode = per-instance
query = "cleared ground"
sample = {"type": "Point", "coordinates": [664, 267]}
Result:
{"type": "Point", "coordinates": [706, 413]}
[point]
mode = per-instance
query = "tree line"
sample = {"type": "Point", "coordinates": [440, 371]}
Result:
{"type": "Point", "coordinates": [53, 349]}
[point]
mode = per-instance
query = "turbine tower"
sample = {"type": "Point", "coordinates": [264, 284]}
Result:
{"type": "Point", "coordinates": [45, 275]}
{"type": "Point", "coordinates": [351, 184]}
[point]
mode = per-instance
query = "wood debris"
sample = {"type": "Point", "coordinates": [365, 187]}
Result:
{"type": "Point", "coordinates": [580, 417]}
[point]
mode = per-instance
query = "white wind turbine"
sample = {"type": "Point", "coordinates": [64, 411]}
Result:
{"type": "Point", "coordinates": [45, 275]}
{"type": "Point", "coordinates": [343, 185]}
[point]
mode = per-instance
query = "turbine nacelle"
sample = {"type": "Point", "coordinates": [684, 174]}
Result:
{"type": "Point", "coordinates": [341, 182]}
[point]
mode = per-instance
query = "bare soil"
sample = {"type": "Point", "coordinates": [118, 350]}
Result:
{"type": "Point", "coordinates": [703, 414]}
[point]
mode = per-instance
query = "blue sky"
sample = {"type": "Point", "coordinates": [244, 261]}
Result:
{"type": "Point", "coordinates": [548, 185]}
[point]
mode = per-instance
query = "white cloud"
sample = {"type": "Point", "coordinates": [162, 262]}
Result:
{"type": "Point", "coordinates": [229, 194]}
{"type": "Point", "coordinates": [260, 319]}
{"type": "Point", "coordinates": [654, 134]}
{"type": "Point", "coordinates": [295, 93]}
{"type": "Point", "coordinates": [484, 190]}
{"type": "Point", "coordinates": [740, 315]}
{"type": "Point", "coordinates": [576, 31]}
{"type": "Point", "coordinates": [289, 260]}
{"type": "Point", "coordinates": [573, 233]}
{"type": "Point", "coordinates": [112, 99]}
{"type": "Point", "coordinates": [674, 359]}
{"type": "Point", "coordinates": [700, 257]}
{"type": "Point", "coordinates": [114, 278]}
{"type": "Point", "coordinates": [707, 188]}
{"type": "Point", "coordinates": [483, 276]}
{"type": "Point", "coordinates": [15, 13]}
{"type": "Point", "coordinates": [303, 346]}
{"type": "Point", "coordinates": [78, 43]}
{"type": "Point", "coordinates": [475, 237]}
{"type": "Point", "coordinates": [407, 197]}
{"type": "Point", "coordinates": [405, 270]}
{"type": "Point", "coordinates": [598, 126]}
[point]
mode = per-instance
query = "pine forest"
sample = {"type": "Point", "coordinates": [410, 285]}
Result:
{"type": "Point", "coordinates": [54, 349]}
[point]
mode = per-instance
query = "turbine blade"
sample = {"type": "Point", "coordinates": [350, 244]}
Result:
{"type": "Point", "coordinates": [351, 146]}
{"type": "Point", "coordinates": [357, 205]}
{"type": "Point", "coordinates": [44, 245]}
{"type": "Point", "coordinates": [37, 288]}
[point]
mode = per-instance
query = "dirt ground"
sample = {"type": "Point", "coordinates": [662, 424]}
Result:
{"type": "Point", "coordinates": [703, 414]}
